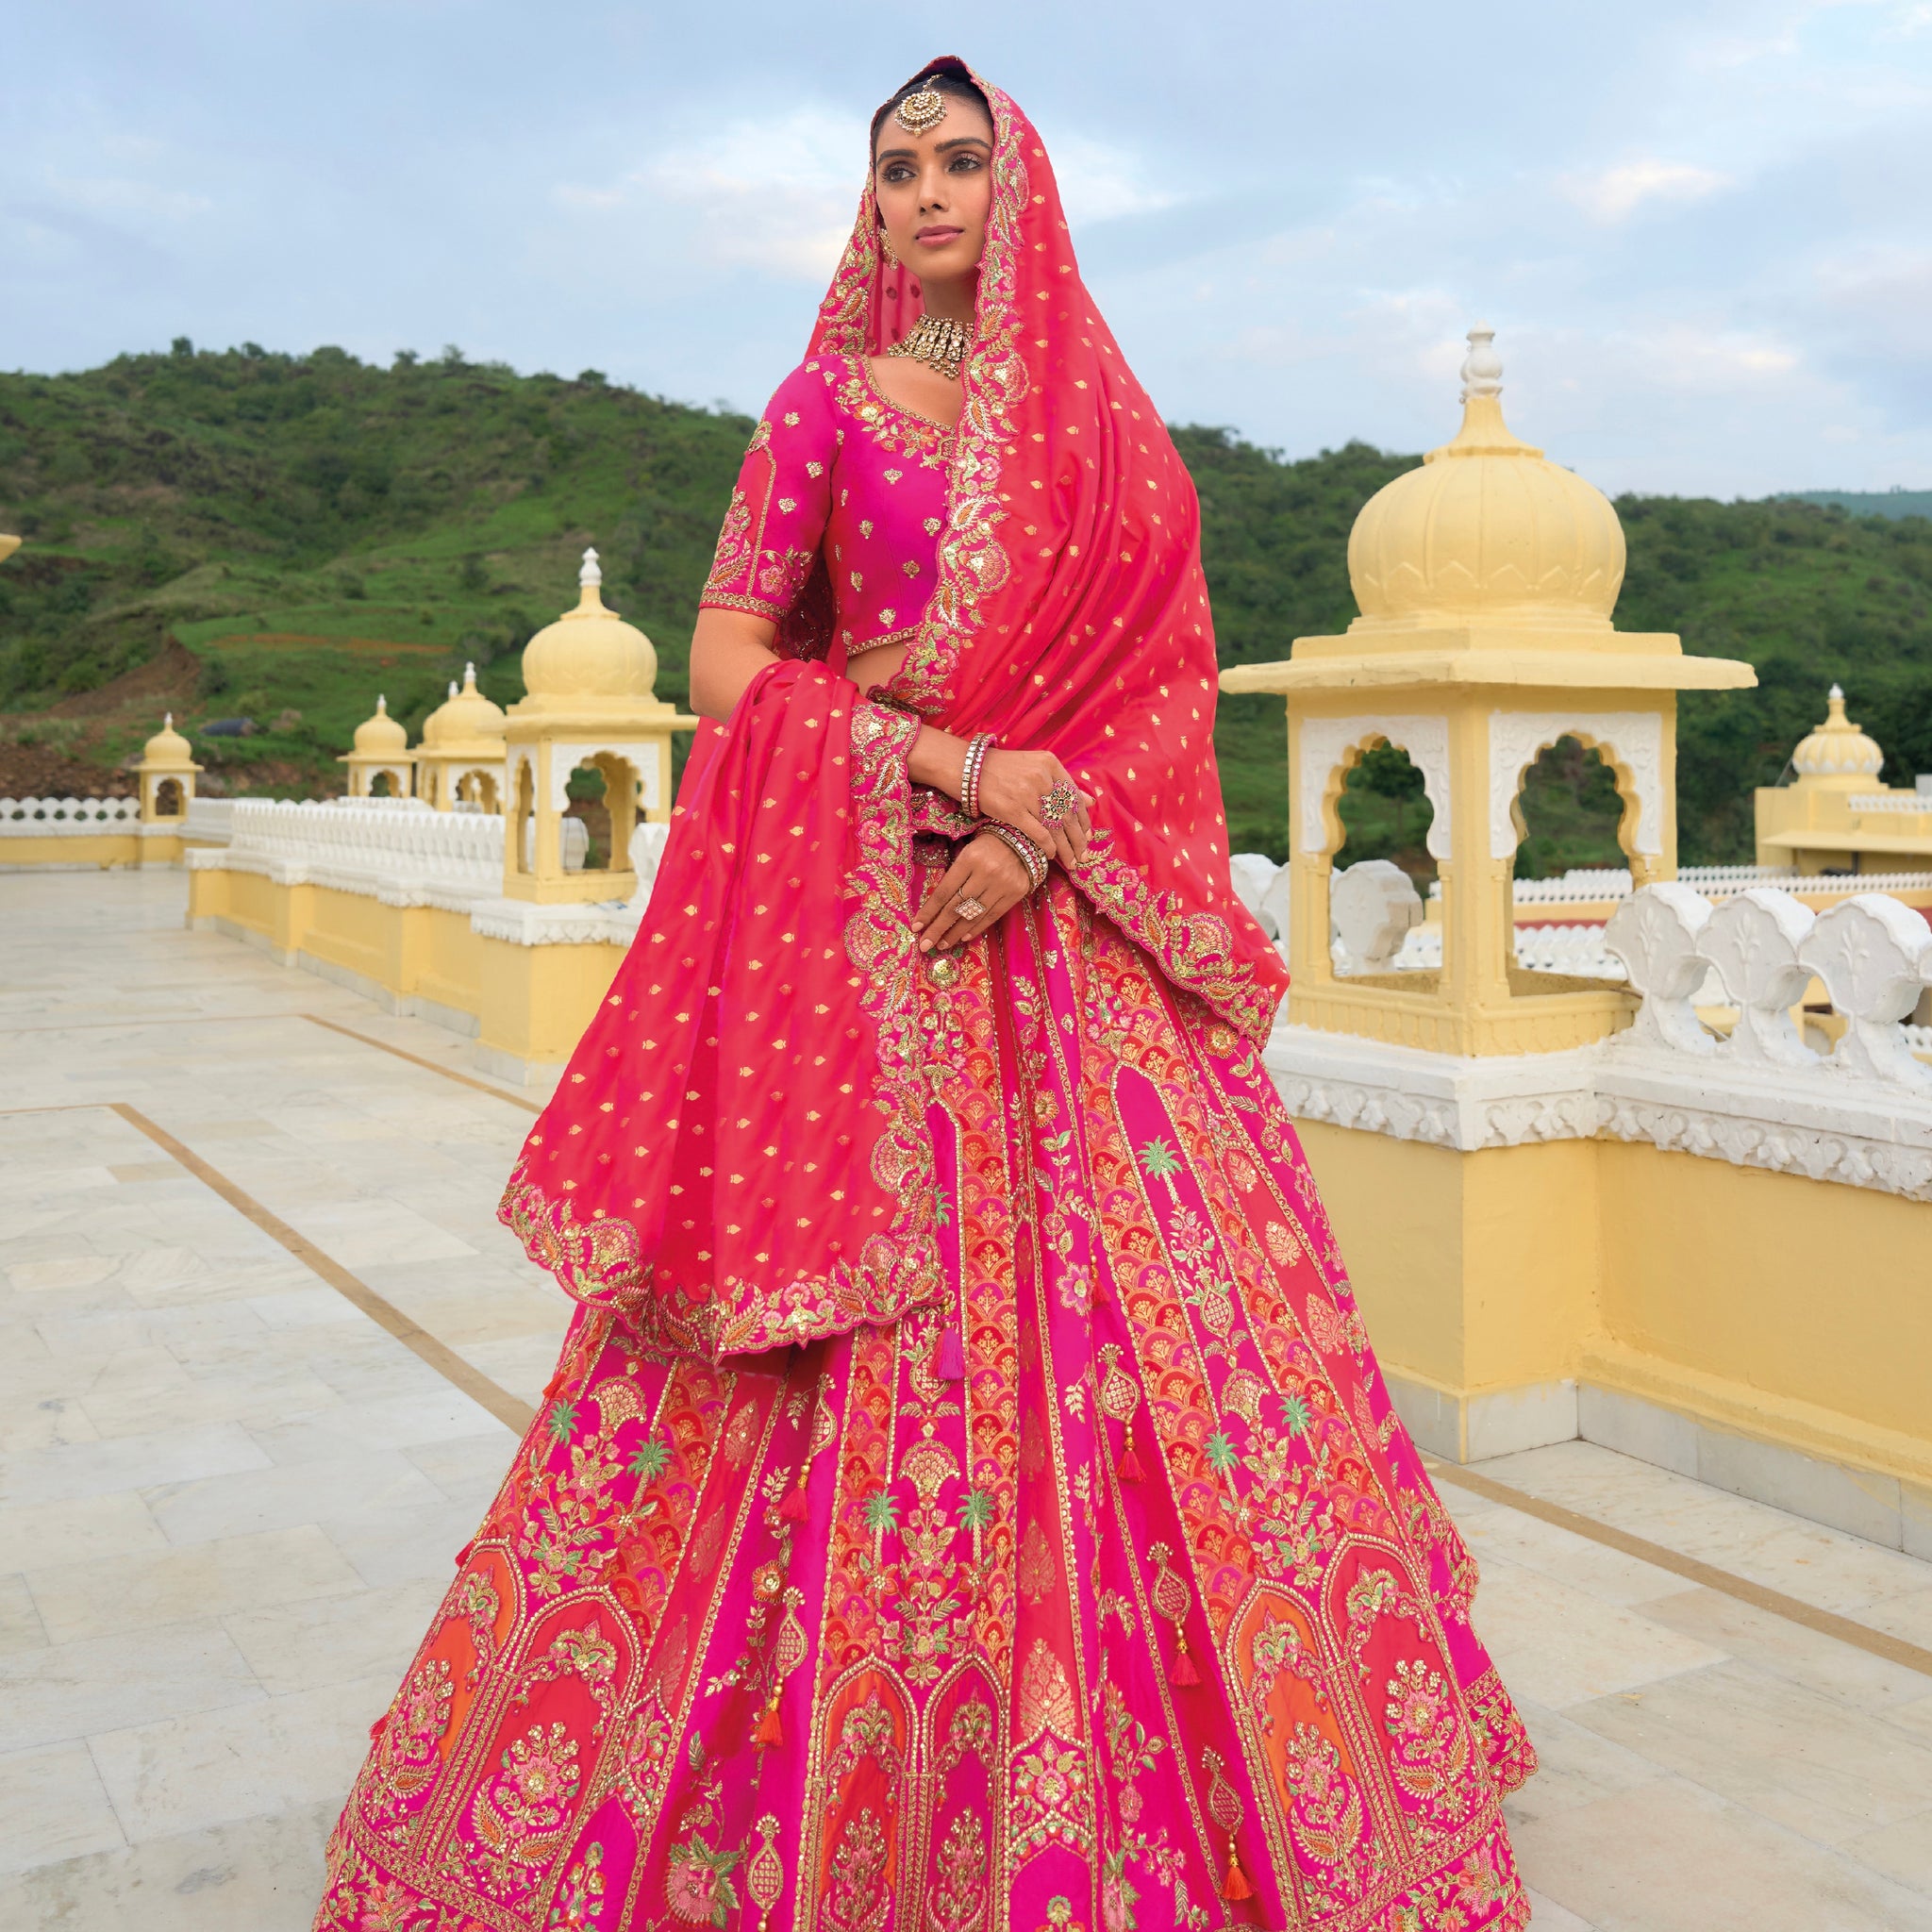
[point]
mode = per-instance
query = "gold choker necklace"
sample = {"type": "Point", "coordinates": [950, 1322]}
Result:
{"type": "Point", "coordinates": [939, 341]}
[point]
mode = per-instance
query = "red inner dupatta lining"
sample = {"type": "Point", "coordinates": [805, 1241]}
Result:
{"type": "Point", "coordinates": [738, 1155]}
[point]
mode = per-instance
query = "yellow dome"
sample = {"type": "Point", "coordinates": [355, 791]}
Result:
{"type": "Point", "coordinates": [380, 735]}
{"type": "Point", "coordinates": [1837, 750]}
{"type": "Point", "coordinates": [1486, 531]}
{"type": "Point", "coordinates": [167, 746]}
{"type": "Point", "coordinates": [434, 727]}
{"type": "Point", "coordinates": [590, 651]}
{"type": "Point", "coordinates": [467, 716]}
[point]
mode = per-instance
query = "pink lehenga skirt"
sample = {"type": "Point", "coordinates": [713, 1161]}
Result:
{"type": "Point", "coordinates": [1150, 1619]}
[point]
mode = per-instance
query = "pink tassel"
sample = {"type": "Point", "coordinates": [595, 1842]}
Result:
{"type": "Point", "coordinates": [769, 1731]}
{"type": "Point", "coordinates": [952, 1363]}
{"type": "Point", "coordinates": [1182, 1669]}
{"type": "Point", "coordinates": [464, 1554]}
{"type": "Point", "coordinates": [793, 1508]}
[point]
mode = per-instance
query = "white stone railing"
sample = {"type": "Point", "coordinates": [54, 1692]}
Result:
{"type": "Point", "coordinates": [1773, 1091]}
{"type": "Point", "coordinates": [417, 857]}
{"type": "Point", "coordinates": [1576, 950]}
{"type": "Point", "coordinates": [210, 820]}
{"type": "Point", "coordinates": [37, 818]}
{"type": "Point", "coordinates": [1872, 955]}
{"type": "Point", "coordinates": [461, 854]}
{"type": "Point", "coordinates": [1575, 887]}
{"type": "Point", "coordinates": [1861, 803]}
{"type": "Point", "coordinates": [1263, 887]}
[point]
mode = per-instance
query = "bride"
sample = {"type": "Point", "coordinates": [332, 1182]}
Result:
{"type": "Point", "coordinates": [967, 1499]}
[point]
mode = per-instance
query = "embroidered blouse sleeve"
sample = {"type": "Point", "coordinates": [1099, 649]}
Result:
{"type": "Point", "coordinates": [780, 503]}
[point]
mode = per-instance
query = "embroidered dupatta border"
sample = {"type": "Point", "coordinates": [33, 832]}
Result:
{"type": "Point", "coordinates": [600, 1261]}
{"type": "Point", "coordinates": [1196, 951]}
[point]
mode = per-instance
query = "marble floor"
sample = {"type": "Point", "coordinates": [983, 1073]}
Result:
{"type": "Point", "coordinates": [262, 1345]}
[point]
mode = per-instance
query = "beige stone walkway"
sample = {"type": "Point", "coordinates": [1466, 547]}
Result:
{"type": "Point", "coordinates": [229, 1495]}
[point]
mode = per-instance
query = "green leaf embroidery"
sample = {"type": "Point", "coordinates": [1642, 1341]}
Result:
{"type": "Point", "coordinates": [976, 1509]}
{"type": "Point", "coordinates": [1295, 1415]}
{"type": "Point", "coordinates": [881, 1511]}
{"type": "Point", "coordinates": [563, 1418]}
{"type": "Point", "coordinates": [652, 1454]}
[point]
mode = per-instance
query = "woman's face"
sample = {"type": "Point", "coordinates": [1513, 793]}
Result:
{"type": "Point", "coordinates": [934, 190]}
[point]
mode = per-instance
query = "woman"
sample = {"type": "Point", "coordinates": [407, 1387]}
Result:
{"type": "Point", "coordinates": [967, 1499]}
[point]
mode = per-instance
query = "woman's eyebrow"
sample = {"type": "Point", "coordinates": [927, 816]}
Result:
{"type": "Point", "coordinates": [906, 154]}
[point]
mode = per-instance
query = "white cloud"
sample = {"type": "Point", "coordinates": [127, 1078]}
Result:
{"type": "Point", "coordinates": [776, 195]}
{"type": "Point", "coordinates": [1616, 193]}
{"type": "Point", "coordinates": [120, 195]}
{"type": "Point", "coordinates": [1100, 182]}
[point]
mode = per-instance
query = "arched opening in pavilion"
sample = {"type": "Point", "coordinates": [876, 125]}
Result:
{"type": "Point", "coordinates": [477, 788]}
{"type": "Point", "coordinates": [1569, 814]}
{"type": "Point", "coordinates": [1385, 813]}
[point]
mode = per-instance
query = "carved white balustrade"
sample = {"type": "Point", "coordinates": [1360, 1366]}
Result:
{"type": "Point", "coordinates": [1873, 955]}
{"type": "Point", "coordinates": [1656, 933]}
{"type": "Point", "coordinates": [402, 853]}
{"type": "Point", "coordinates": [1371, 905]}
{"type": "Point", "coordinates": [1752, 942]}
{"type": "Point", "coordinates": [210, 820]}
{"type": "Point", "coordinates": [37, 817]}
{"type": "Point", "coordinates": [1874, 958]}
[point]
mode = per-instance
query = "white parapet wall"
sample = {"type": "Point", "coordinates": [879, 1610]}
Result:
{"type": "Point", "coordinates": [74, 817]}
{"type": "Point", "coordinates": [1700, 1239]}
{"type": "Point", "coordinates": [401, 853]}
{"type": "Point", "coordinates": [93, 833]}
{"type": "Point", "coordinates": [1758, 1096]}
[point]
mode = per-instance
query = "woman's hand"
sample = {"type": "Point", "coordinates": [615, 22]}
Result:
{"type": "Point", "coordinates": [988, 872]}
{"type": "Point", "coordinates": [1013, 787]}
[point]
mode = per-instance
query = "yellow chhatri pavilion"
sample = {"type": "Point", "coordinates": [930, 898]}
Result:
{"type": "Point", "coordinates": [165, 769]}
{"type": "Point", "coordinates": [593, 704]}
{"type": "Point", "coordinates": [381, 751]}
{"type": "Point", "coordinates": [1835, 816]}
{"type": "Point", "coordinates": [461, 760]}
{"type": "Point", "coordinates": [1486, 581]}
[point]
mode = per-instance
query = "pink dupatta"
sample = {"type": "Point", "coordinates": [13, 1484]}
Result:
{"type": "Point", "coordinates": [738, 1155]}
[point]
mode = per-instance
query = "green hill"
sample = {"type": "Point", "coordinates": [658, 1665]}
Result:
{"type": "Point", "coordinates": [308, 530]}
{"type": "Point", "coordinates": [1895, 502]}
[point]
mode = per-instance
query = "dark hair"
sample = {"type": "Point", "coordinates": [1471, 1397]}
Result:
{"type": "Point", "coordinates": [946, 76]}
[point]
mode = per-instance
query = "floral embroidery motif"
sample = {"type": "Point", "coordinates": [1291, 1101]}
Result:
{"type": "Point", "coordinates": [520, 1818]}
{"type": "Point", "coordinates": [405, 1759]}
{"type": "Point", "coordinates": [1431, 1747]}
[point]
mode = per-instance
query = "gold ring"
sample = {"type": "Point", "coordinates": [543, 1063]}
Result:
{"type": "Point", "coordinates": [968, 909]}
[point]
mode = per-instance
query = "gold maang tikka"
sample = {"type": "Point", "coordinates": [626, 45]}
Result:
{"type": "Point", "coordinates": [925, 110]}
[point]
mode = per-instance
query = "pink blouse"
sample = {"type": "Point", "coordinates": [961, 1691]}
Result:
{"type": "Point", "coordinates": [834, 467]}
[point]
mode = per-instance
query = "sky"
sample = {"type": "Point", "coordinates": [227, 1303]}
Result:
{"type": "Point", "coordinates": [1700, 228]}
